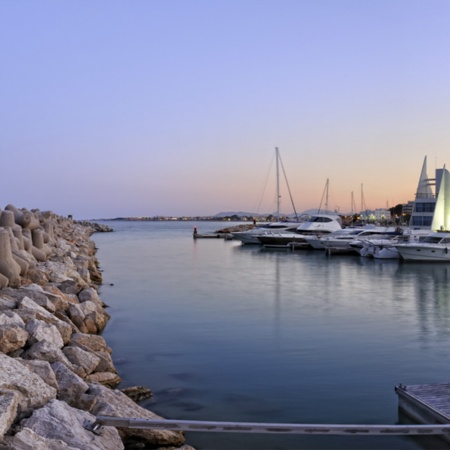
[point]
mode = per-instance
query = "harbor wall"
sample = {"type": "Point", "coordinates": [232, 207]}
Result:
{"type": "Point", "coordinates": [56, 370]}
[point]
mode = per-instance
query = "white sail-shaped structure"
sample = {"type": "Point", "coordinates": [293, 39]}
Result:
{"type": "Point", "coordinates": [424, 203]}
{"type": "Point", "coordinates": [441, 217]}
{"type": "Point", "coordinates": [424, 188]}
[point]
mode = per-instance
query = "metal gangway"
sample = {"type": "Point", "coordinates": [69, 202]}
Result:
{"type": "Point", "coordinates": [274, 428]}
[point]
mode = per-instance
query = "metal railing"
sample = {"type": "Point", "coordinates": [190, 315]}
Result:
{"type": "Point", "coordinates": [274, 428]}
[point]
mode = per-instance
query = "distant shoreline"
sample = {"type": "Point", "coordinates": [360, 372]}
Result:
{"type": "Point", "coordinates": [180, 219]}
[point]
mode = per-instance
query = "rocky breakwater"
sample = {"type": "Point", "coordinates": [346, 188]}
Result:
{"type": "Point", "coordinates": [56, 371]}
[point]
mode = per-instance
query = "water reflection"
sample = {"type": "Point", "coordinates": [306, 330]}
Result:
{"type": "Point", "coordinates": [428, 285]}
{"type": "Point", "coordinates": [222, 331]}
{"type": "Point", "coordinates": [424, 442]}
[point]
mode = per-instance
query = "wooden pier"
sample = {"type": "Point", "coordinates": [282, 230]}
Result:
{"type": "Point", "coordinates": [426, 403]}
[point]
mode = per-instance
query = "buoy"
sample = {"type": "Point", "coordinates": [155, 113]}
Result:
{"type": "Point", "coordinates": [195, 232]}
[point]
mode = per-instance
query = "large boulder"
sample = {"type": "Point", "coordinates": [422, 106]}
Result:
{"type": "Point", "coordinates": [8, 409]}
{"type": "Point", "coordinates": [33, 292]}
{"type": "Point", "coordinates": [12, 338]}
{"type": "Point", "coordinates": [71, 386]}
{"type": "Point", "coordinates": [41, 368]}
{"type": "Point", "coordinates": [33, 392]}
{"type": "Point", "coordinates": [39, 330]}
{"type": "Point", "coordinates": [58, 421]}
{"type": "Point", "coordinates": [94, 342]}
{"type": "Point", "coordinates": [29, 309]}
{"type": "Point", "coordinates": [13, 335]}
{"type": "Point", "coordinates": [27, 439]}
{"type": "Point", "coordinates": [7, 302]}
{"type": "Point", "coordinates": [114, 403]}
{"type": "Point", "coordinates": [88, 360]}
{"type": "Point", "coordinates": [46, 351]}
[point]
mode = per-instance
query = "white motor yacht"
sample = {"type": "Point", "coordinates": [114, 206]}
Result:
{"type": "Point", "coordinates": [251, 236]}
{"type": "Point", "coordinates": [338, 238]}
{"type": "Point", "coordinates": [317, 224]}
{"type": "Point", "coordinates": [433, 247]}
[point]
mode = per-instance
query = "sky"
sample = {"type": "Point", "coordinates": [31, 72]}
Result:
{"type": "Point", "coordinates": [175, 107]}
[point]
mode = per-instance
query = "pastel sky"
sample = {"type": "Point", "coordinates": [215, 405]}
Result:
{"type": "Point", "coordinates": [174, 107]}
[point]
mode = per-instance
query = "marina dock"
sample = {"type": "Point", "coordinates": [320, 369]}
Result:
{"type": "Point", "coordinates": [426, 403]}
{"type": "Point", "coordinates": [226, 236]}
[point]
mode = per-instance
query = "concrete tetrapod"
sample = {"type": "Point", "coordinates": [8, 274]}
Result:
{"type": "Point", "coordinates": [8, 267]}
{"type": "Point", "coordinates": [24, 218]}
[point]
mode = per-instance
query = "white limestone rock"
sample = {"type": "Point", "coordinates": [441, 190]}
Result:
{"type": "Point", "coordinates": [90, 295]}
{"type": "Point", "coordinates": [41, 368]}
{"type": "Point", "coordinates": [28, 303]}
{"type": "Point", "coordinates": [88, 360]}
{"type": "Point", "coordinates": [58, 421]}
{"type": "Point", "coordinates": [7, 302]}
{"type": "Point", "coordinates": [94, 342]}
{"type": "Point", "coordinates": [71, 386]}
{"type": "Point", "coordinates": [95, 317]}
{"type": "Point", "coordinates": [45, 351]}
{"type": "Point", "coordinates": [35, 293]}
{"type": "Point", "coordinates": [39, 330]}
{"type": "Point", "coordinates": [8, 409]}
{"type": "Point", "coordinates": [29, 310]}
{"type": "Point", "coordinates": [33, 392]}
{"type": "Point", "coordinates": [11, 318]}
{"type": "Point", "coordinates": [112, 402]}
{"type": "Point", "coordinates": [27, 439]}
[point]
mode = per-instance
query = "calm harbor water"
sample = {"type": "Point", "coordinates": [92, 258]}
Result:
{"type": "Point", "coordinates": [226, 332]}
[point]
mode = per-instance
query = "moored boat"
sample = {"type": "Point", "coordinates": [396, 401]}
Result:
{"type": "Point", "coordinates": [251, 236]}
{"type": "Point", "coordinates": [317, 224]}
{"type": "Point", "coordinates": [435, 246]}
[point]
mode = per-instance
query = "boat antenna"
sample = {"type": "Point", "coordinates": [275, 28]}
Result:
{"type": "Point", "coordinates": [289, 189]}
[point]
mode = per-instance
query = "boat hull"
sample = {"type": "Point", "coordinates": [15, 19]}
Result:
{"type": "Point", "coordinates": [246, 238]}
{"type": "Point", "coordinates": [280, 240]}
{"type": "Point", "coordinates": [424, 253]}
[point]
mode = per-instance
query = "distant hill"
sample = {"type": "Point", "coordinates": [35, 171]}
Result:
{"type": "Point", "coordinates": [238, 213]}
{"type": "Point", "coordinates": [250, 214]}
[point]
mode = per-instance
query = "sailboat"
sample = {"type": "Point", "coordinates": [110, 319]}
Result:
{"type": "Point", "coordinates": [251, 236]}
{"type": "Point", "coordinates": [323, 222]}
{"type": "Point", "coordinates": [435, 246]}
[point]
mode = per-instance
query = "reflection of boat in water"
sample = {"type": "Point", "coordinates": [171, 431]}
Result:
{"type": "Point", "coordinates": [317, 224]}
{"type": "Point", "coordinates": [435, 246]}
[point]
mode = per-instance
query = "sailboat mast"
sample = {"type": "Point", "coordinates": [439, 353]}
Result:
{"type": "Point", "coordinates": [278, 183]}
{"type": "Point", "coordinates": [325, 194]}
